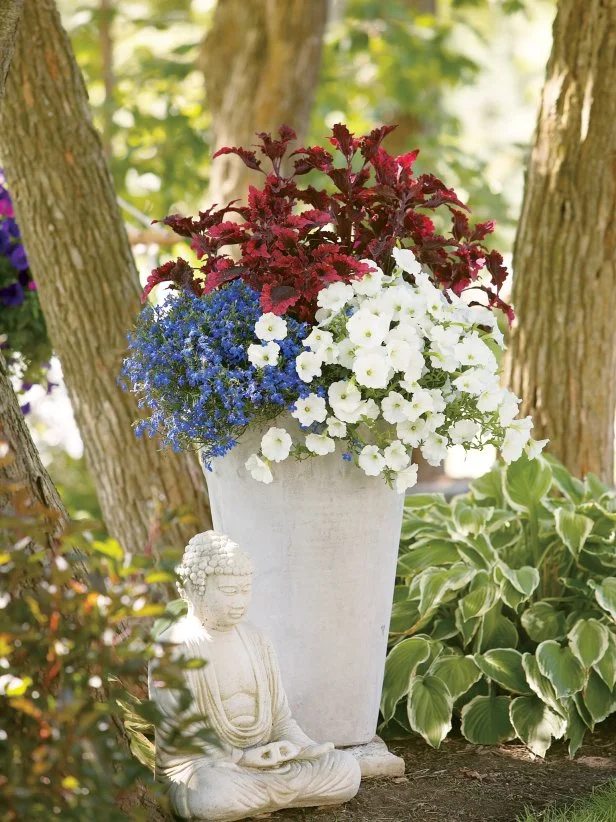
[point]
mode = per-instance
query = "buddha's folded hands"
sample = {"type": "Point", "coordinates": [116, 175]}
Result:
{"type": "Point", "coordinates": [269, 756]}
{"type": "Point", "coordinates": [315, 751]}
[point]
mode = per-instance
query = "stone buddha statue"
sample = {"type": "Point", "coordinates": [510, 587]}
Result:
{"type": "Point", "coordinates": [264, 761]}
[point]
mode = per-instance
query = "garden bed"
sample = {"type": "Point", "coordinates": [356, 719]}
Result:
{"type": "Point", "coordinates": [467, 783]}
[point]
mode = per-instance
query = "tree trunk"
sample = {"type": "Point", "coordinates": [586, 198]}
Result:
{"type": "Point", "coordinates": [21, 469]}
{"type": "Point", "coordinates": [87, 281]}
{"type": "Point", "coordinates": [563, 353]}
{"type": "Point", "coordinates": [10, 14]}
{"type": "Point", "coordinates": [261, 62]}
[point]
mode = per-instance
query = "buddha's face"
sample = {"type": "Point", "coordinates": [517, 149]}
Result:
{"type": "Point", "coordinates": [225, 602]}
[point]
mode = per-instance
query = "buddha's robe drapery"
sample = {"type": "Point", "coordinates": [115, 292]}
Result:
{"type": "Point", "coordinates": [213, 785]}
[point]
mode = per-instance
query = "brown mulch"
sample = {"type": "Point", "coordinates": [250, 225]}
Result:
{"type": "Point", "coordinates": [466, 783]}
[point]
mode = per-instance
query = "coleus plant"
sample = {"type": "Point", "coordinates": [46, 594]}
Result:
{"type": "Point", "coordinates": [292, 241]}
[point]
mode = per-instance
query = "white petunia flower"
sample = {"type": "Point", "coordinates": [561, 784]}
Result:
{"type": "Point", "coordinates": [475, 381]}
{"type": "Point", "coordinates": [310, 409]}
{"type": "Point", "coordinates": [344, 396]}
{"type": "Point", "coordinates": [473, 351]}
{"type": "Point", "coordinates": [270, 327]}
{"type": "Point", "coordinates": [335, 427]}
{"type": "Point", "coordinates": [370, 284]}
{"type": "Point", "coordinates": [335, 296]}
{"type": "Point", "coordinates": [434, 449]}
{"type": "Point", "coordinates": [438, 401]}
{"type": "Point", "coordinates": [420, 402]}
{"type": "Point", "coordinates": [516, 437]}
{"type": "Point", "coordinates": [396, 456]}
{"type": "Point", "coordinates": [508, 407]}
{"type": "Point", "coordinates": [308, 365]}
{"type": "Point", "coordinates": [370, 410]}
{"type": "Point", "coordinates": [534, 447]}
{"type": "Point", "coordinates": [322, 316]}
{"type": "Point", "coordinates": [408, 333]}
{"type": "Point", "coordinates": [367, 330]}
{"type": "Point", "coordinates": [276, 444]}
{"type": "Point", "coordinates": [262, 355]}
{"type": "Point", "coordinates": [397, 299]}
{"type": "Point", "coordinates": [329, 353]}
{"type": "Point", "coordinates": [412, 432]}
{"type": "Point", "coordinates": [395, 408]}
{"type": "Point", "coordinates": [406, 478]}
{"type": "Point", "coordinates": [463, 431]}
{"type": "Point", "coordinates": [371, 461]}
{"type": "Point", "coordinates": [490, 400]}
{"type": "Point", "coordinates": [372, 369]}
{"type": "Point", "coordinates": [318, 338]}
{"type": "Point", "coordinates": [346, 353]}
{"type": "Point", "coordinates": [259, 469]}
{"type": "Point", "coordinates": [407, 261]}
{"type": "Point", "coordinates": [320, 444]}
{"type": "Point", "coordinates": [400, 354]}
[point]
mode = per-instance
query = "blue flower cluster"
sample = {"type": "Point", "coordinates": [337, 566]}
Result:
{"type": "Point", "coordinates": [189, 365]}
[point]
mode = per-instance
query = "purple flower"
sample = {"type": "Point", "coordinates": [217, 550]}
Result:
{"type": "Point", "coordinates": [18, 258]}
{"type": "Point", "coordinates": [12, 295]}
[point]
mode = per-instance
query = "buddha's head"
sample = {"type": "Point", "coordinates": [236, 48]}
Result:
{"type": "Point", "coordinates": [216, 580]}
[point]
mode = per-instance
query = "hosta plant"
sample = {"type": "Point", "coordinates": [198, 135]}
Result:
{"type": "Point", "coordinates": [505, 613]}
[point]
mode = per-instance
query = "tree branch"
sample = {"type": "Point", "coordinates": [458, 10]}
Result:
{"type": "Point", "coordinates": [10, 15]}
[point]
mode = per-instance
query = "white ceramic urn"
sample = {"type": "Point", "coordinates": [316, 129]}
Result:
{"type": "Point", "coordinates": [324, 540]}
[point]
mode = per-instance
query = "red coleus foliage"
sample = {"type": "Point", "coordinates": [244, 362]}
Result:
{"type": "Point", "coordinates": [294, 241]}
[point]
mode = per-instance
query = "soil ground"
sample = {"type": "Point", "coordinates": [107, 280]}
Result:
{"type": "Point", "coordinates": [466, 783]}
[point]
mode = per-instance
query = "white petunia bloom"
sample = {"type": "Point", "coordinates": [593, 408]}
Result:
{"type": "Point", "coordinates": [276, 444]}
{"type": "Point", "coordinates": [420, 402]}
{"type": "Point", "coordinates": [259, 469]}
{"type": "Point", "coordinates": [371, 461]}
{"type": "Point", "coordinates": [370, 410]}
{"type": "Point", "coordinates": [508, 408]}
{"type": "Point", "coordinates": [397, 299]}
{"type": "Point", "coordinates": [463, 431]}
{"type": "Point", "coordinates": [473, 351]}
{"type": "Point", "coordinates": [438, 400]}
{"type": "Point", "coordinates": [262, 355]}
{"type": "Point", "coordinates": [406, 479]}
{"type": "Point", "coordinates": [475, 381]}
{"type": "Point", "coordinates": [308, 365]}
{"type": "Point", "coordinates": [318, 338]}
{"type": "Point", "coordinates": [372, 368]}
{"type": "Point", "coordinates": [407, 332]}
{"type": "Point", "coordinates": [396, 456]}
{"type": "Point", "coordinates": [270, 327]}
{"type": "Point", "coordinates": [434, 449]}
{"type": "Point", "coordinates": [329, 353]}
{"type": "Point", "coordinates": [370, 284]}
{"type": "Point", "coordinates": [534, 447]}
{"type": "Point", "coordinates": [344, 396]}
{"type": "Point", "coordinates": [346, 352]}
{"type": "Point", "coordinates": [395, 408]}
{"type": "Point", "coordinates": [516, 437]}
{"type": "Point", "coordinates": [399, 353]}
{"type": "Point", "coordinates": [320, 444]}
{"type": "Point", "coordinates": [335, 427]}
{"type": "Point", "coordinates": [310, 409]}
{"type": "Point", "coordinates": [412, 432]}
{"type": "Point", "coordinates": [490, 400]}
{"type": "Point", "coordinates": [434, 421]}
{"type": "Point", "coordinates": [407, 261]}
{"type": "Point", "coordinates": [367, 330]}
{"type": "Point", "coordinates": [335, 296]}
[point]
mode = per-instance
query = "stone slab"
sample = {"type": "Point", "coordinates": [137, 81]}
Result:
{"type": "Point", "coordinates": [376, 761]}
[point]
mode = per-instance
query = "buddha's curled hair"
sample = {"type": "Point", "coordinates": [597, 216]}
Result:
{"type": "Point", "coordinates": [212, 553]}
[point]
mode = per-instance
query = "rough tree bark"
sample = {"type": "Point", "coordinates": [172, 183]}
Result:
{"type": "Point", "coordinates": [10, 14]}
{"type": "Point", "coordinates": [86, 276]}
{"type": "Point", "coordinates": [20, 463]}
{"type": "Point", "coordinates": [563, 353]}
{"type": "Point", "coordinates": [261, 63]}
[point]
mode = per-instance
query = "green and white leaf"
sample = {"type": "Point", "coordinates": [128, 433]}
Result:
{"type": "Point", "coordinates": [400, 665]}
{"type": "Point", "coordinates": [589, 640]}
{"type": "Point", "coordinates": [573, 529]}
{"type": "Point", "coordinates": [542, 621]}
{"type": "Point", "coordinates": [535, 723]}
{"type": "Point", "coordinates": [605, 594]}
{"type": "Point", "coordinates": [496, 631]}
{"type": "Point", "coordinates": [526, 482]}
{"type": "Point", "coordinates": [485, 720]}
{"type": "Point", "coordinates": [458, 673]}
{"type": "Point", "coordinates": [606, 667]}
{"type": "Point", "coordinates": [598, 698]}
{"type": "Point", "coordinates": [504, 665]}
{"type": "Point", "coordinates": [560, 666]}
{"type": "Point", "coordinates": [429, 708]}
{"type": "Point", "coordinates": [540, 684]}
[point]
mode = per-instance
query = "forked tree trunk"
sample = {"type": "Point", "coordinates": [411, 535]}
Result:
{"type": "Point", "coordinates": [86, 277]}
{"type": "Point", "coordinates": [10, 14]}
{"type": "Point", "coordinates": [563, 353]}
{"type": "Point", "coordinates": [261, 63]}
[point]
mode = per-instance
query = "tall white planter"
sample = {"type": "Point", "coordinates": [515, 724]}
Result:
{"type": "Point", "coordinates": [324, 539]}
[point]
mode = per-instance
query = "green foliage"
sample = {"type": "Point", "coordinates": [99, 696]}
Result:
{"type": "Point", "coordinates": [76, 726]}
{"type": "Point", "coordinates": [507, 598]}
{"type": "Point", "coordinates": [600, 807]}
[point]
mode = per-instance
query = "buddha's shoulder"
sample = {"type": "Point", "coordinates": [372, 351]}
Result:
{"type": "Point", "coordinates": [184, 630]}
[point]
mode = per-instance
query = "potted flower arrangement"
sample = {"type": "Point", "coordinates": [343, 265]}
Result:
{"type": "Point", "coordinates": [307, 367]}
